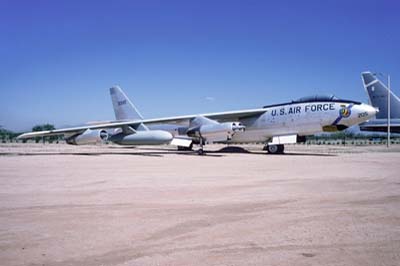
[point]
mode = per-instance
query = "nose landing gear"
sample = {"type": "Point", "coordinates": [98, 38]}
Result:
{"type": "Point", "coordinates": [274, 149]}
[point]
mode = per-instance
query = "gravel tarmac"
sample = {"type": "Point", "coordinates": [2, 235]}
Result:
{"type": "Point", "coordinates": [110, 205]}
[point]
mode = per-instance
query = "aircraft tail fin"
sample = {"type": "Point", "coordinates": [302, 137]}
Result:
{"type": "Point", "coordinates": [378, 96]}
{"type": "Point", "coordinates": [123, 107]}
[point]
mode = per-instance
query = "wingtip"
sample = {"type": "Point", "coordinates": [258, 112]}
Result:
{"type": "Point", "coordinates": [22, 136]}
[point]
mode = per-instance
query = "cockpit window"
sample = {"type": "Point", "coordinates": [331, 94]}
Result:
{"type": "Point", "coordinates": [312, 98]}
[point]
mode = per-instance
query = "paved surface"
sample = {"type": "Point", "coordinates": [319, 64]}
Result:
{"type": "Point", "coordinates": [66, 205]}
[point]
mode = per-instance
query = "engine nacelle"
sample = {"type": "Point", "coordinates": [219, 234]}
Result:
{"type": "Point", "coordinates": [220, 131]}
{"type": "Point", "coordinates": [88, 137]}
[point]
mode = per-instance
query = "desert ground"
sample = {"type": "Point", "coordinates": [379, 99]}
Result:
{"type": "Point", "coordinates": [110, 205]}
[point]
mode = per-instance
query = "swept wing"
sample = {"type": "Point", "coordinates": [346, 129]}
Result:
{"type": "Point", "coordinates": [221, 117]}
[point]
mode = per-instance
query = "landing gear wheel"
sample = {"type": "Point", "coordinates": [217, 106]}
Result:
{"type": "Point", "coordinates": [275, 149]}
{"type": "Point", "coordinates": [201, 151]}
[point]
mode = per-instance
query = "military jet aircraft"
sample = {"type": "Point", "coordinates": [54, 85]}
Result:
{"type": "Point", "coordinates": [274, 125]}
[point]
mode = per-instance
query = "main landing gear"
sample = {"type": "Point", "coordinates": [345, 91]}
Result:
{"type": "Point", "coordinates": [200, 151]}
{"type": "Point", "coordinates": [274, 149]}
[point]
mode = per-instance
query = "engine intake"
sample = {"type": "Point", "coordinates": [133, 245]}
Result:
{"type": "Point", "coordinates": [88, 137]}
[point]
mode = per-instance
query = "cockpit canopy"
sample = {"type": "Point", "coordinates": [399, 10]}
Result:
{"type": "Point", "coordinates": [313, 98]}
{"type": "Point", "coordinates": [316, 98]}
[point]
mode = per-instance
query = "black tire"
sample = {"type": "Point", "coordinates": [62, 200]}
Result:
{"type": "Point", "coordinates": [200, 152]}
{"type": "Point", "coordinates": [275, 149]}
{"type": "Point", "coordinates": [272, 149]}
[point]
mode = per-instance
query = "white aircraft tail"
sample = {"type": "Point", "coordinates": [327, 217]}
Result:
{"type": "Point", "coordinates": [123, 107]}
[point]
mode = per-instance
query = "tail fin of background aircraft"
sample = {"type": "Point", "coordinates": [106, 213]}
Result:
{"type": "Point", "coordinates": [123, 107]}
{"type": "Point", "coordinates": [378, 93]}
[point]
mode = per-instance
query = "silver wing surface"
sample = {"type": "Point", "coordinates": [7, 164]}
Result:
{"type": "Point", "coordinates": [220, 117]}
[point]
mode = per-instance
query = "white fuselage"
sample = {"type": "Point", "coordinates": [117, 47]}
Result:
{"type": "Point", "coordinates": [301, 119]}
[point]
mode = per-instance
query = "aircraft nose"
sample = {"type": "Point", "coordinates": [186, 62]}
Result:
{"type": "Point", "coordinates": [366, 112]}
{"type": "Point", "coordinates": [372, 111]}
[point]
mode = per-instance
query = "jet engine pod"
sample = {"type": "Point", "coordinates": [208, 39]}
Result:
{"type": "Point", "coordinates": [88, 137]}
{"type": "Point", "coordinates": [220, 131]}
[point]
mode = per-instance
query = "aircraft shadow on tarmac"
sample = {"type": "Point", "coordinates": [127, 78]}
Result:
{"type": "Point", "coordinates": [240, 150]}
{"type": "Point", "coordinates": [154, 152]}
{"type": "Point", "coordinates": [228, 150]}
{"type": "Point", "coordinates": [146, 154]}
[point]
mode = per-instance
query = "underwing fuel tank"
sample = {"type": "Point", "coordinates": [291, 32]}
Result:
{"type": "Point", "coordinates": [150, 137]}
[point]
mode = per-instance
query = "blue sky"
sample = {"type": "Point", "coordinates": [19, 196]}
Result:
{"type": "Point", "coordinates": [58, 58]}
